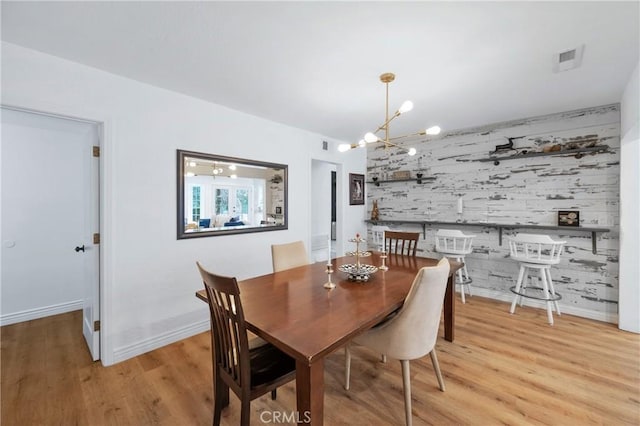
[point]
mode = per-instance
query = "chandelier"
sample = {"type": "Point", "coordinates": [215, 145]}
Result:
{"type": "Point", "coordinates": [372, 137]}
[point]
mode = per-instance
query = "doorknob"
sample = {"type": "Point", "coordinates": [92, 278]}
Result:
{"type": "Point", "coordinates": [77, 249]}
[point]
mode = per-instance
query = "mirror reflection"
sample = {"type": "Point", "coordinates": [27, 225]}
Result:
{"type": "Point", "coordinates": [223, 195]}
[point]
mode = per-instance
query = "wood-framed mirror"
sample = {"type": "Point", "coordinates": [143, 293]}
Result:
{"type": "Point", "coordinates": [220, 195]}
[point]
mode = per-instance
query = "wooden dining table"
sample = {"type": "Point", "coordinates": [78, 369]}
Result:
{"type": "Point", "coordinates": [292, 310]}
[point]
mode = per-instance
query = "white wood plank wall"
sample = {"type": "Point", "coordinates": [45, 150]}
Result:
{"type": "Point", "coordinates": [526, 191]}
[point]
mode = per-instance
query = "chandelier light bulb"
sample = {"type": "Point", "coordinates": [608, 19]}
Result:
{"type": "Point", "coordinates": [362, 143]}
{"type": "Point", "coordinates": [434, 130]}
{"type": "Point", "coordinates": [405, 107]}
{"type": "Point", "coordinates": [370, 138]}
{"type": "Point", "coordinates": [344, 147]}
{"type": "Point", "coordinates": [192, 163]}
{"type": "Point", "coordinates": [412, 151]}
{"type": "Point", "coordinates": [233, 176]}
{"type": "Point", "coordinates": [232, 167]}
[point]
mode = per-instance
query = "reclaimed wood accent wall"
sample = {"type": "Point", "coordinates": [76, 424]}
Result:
{"type": "Point", "coordinates": [521, 190]}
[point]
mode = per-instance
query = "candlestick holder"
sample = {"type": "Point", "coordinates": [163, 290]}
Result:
{"type": "Point", "coordinates": [383, 258]}
{"type": "Point", "coordinates": [329, 284]}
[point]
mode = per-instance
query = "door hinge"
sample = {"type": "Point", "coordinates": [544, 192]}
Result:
{"type": "Point", "coordinates": [96, 326]}
{"type": "Point", "coordinates": [96, 151]}
{"type": "Point", "coordinates": [96, 238]}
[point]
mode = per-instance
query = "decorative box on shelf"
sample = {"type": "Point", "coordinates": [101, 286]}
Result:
{"type": "Point", "coordinates": [401, 174]}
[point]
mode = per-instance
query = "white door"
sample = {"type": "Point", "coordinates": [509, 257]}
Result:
{"type": "Point", "coordinates": [50, 196]}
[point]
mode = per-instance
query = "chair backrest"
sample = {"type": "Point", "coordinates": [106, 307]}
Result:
{"type": "Point", "coordinates": [287, 256]}
{"type": "Point", "coordinates": [401, 242]}
{"type": "Point", "coordinates": [415, 327]}
{"type": "Point", "coordinates": [536, 248]}
{"type": "Point", "coordinates": [453, 241]}
{"type": "Point", "coordinates": [229, 340]}
{"type": "Point", "coordinates": [377, 231]}
{"type": "Point", "coordinates": [204, 223]}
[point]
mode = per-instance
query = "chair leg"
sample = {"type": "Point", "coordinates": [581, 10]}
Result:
{"type": "Point", "coordinates": [274, 394]}
{"type": "Point", "coordinates": [518, 285]}
{"type": "Point", "coordinates": [347, 366]}
{"type": "Point", "coordinates": [220, 398]}
{"type": "Point", "coordinates": [383, 358]}
{"type": "Point", "coordinates": [436, 367]}
{"type": "Point", "coordinates": [406, 385]}
{"type": "Point", "coordinates": [245, 412]}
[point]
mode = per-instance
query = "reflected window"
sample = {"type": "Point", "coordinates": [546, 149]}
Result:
{"type": "Point", "coordinates": [195, 204]}
{"type": "Point", "coordinates": [222, 201]}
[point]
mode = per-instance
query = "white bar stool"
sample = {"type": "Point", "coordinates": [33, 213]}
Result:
{"type": "Point", "coordinates": [378, 236]}
{"type": "Point", "coordinates": [453, 244]}
{"type": "Point", "coordinates": [536, 252]}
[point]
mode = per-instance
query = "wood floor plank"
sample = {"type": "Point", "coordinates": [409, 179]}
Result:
{"type": "Point", "coordinates": [502, 369]}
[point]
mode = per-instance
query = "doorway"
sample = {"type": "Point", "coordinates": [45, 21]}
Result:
{"type": "Point", "coordinates": [50, 255]}
{"type": "Point", "coordinates": [324, 219]}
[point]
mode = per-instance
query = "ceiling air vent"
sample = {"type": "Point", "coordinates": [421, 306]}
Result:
{"type": "Point", "coordinates": [568, 59]}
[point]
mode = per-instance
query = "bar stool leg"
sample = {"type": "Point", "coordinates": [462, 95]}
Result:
{"type": "Point", "coordinates": [553, 290]}
{"type": "Point", "coordinates": [545, 287]}
{"type": "Point", "coordinates": [518, 285]}
{"type": "Point", "coordinates": [526, 279]}
{"type": "Point", "coordinates": [460, 281]}
{"type": "Point", "coordinates": [466, 276]}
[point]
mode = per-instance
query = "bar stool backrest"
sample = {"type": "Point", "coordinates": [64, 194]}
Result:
{"type": "Point", "coordinates": [534, 248]}
{"type": "Point", "coordinates": [453, 241]}
{"type": "Point", "coordinates": [378, 236]}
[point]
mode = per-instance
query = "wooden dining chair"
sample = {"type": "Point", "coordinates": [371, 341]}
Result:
{"type": "Point", "coordinates": [249, 371]}
{"type": "Point", "coordinates": [398, 242]}
{"type": "Point", "coordinates": [289, 255]}
{"type": "Point", "coordinates": [412, 332]}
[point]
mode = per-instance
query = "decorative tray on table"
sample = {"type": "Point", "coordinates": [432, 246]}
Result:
{"type": "Point", "coordinates": [358, 271]}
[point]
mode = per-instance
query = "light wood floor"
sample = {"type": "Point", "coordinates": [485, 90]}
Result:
{"type": "Point", "coordinates": [502, 369]}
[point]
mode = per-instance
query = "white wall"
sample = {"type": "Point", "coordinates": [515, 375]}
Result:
{"type": "Point", "coordinates": [148, 277]}
{"type": "Point", "coordinates": [629, 309]}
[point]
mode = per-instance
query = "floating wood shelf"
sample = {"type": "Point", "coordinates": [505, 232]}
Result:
{"type": "Point", "coordinates": [416, 179]}
{"type": "Point", "coordinates": [498, 226]}
{"type": "Point", "coordinates": [578, 153]}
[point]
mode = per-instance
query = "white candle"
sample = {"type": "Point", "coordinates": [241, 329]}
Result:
{"type": "Point", "coordinates": [329, 251]}
{"type": "Point", "coordinates": [460, 205]}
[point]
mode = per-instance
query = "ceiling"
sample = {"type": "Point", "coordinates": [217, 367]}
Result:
{"type": "Point", "coordinates": [316, 65]}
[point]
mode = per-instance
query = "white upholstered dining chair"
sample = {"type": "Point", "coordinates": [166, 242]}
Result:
{"type": "Point", "coordinates": [289, 255]}
{"type": "Point", "coordinates": [412, 332]}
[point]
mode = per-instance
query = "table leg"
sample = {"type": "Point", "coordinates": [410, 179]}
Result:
{"type": "Point", "coordinates": [449, 309]}
{"type": "Point", "coordinates": [310, 392]}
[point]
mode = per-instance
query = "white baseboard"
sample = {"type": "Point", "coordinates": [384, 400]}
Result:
{"type": "Point", "coordinates": [565, 309]}
{"type": "Point", "coordinates": [147, 345]}
{"type": "Point", "coordinates": [46, 311]}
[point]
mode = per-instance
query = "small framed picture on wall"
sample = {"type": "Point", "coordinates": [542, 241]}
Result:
{"type": "Point", "coordinates": [356, 189]}
{"type": "Point", "coordinates": [568, 218]}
